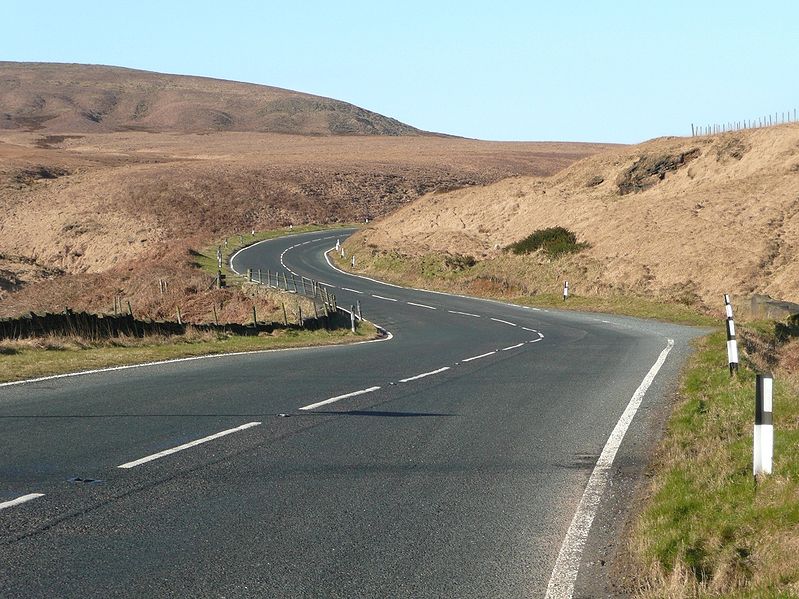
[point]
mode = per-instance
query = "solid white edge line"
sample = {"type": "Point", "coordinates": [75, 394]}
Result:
{"type": "Point", "coordinates": [339, 397]}
{"type": "Point", "coordinates": [388, 299]}
{"type": "Point", "coordinates": [478, 357]}
{"type": "Point", "coordinates": [513, 324]}
{"type": "Point", "coordinates": [463, 313]}
{"type": "Point", "coordinates": [567, 564]}
{"type": "Point", "coordinates": [188, 445]}
{"type": "Point", "coordinates": [424, 374]}
{"type": "Point", "coordinates": [420, 305]}
{"type": "Point", "coordinates": [513, 346]}
{"type": "Point", "coordinates": [20, 500]}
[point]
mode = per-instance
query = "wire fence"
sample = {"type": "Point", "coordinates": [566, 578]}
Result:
{"type": "Point", "coordinates": [768, 120]}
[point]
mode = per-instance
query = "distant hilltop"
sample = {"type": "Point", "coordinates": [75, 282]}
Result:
{"type": "Point", "coordinates": [76, 98]}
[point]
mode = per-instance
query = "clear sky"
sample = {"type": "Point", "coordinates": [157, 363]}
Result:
{"type": "Point", "coordinates": [612, 70]}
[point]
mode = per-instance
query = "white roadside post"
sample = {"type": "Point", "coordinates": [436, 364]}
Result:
{"type": "Point", "coordinates": [353, 262]}
{"type": "Point", "coordinates": [764, 427]}
{"type": "Point", "coordinates": [565, 290]}
{"type": "Point", "coordinates": [352, 318]}
{"type": "Point", "coordinates": [338, 245]}
{"type": "Point", "coordinates": [732, 342]}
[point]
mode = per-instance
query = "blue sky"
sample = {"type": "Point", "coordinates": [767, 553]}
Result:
{"type": "Point", "coordinates": [617, 71]}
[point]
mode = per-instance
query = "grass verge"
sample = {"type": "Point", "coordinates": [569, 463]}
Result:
{"type": "Point", "coordinates": [707, 530]}
{"type": "Point", "coordinates": [513, 279]}
{"type": "Point", "coordinates": [43, 357]}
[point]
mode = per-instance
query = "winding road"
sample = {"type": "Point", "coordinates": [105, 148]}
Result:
{"type": "Point", "coordinates": [481, 450]}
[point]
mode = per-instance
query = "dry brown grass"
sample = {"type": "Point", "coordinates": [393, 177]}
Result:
{"type": "Point", "coordinates": [94, 98]}
{"type": "Point", "coordinates": [725, 220]}
{"type": "Point", "coordinates": [130, 199]}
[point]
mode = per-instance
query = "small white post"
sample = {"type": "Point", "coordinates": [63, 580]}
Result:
{"type": "Point", "coordinates": [565, 290]}
{"type": "Point", "coordinates": [360, 314]}
{"type": "Point", "coordinates": [352, 318]}
{"type": "Point", "coordinates": [763, 445]}
{"type": "Point", "coordinates": [338, 245]}
{"type": "Point", "coordinates": [353, 262]}
{"type": "Point", "coordinates": [732, 342]}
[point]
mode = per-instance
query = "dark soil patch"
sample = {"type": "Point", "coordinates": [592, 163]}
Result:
{"type": "Point", "coordinates": [648, 171]}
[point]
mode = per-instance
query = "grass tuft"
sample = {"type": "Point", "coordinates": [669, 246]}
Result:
{"type": "Point", "coordinates": [554, 242]}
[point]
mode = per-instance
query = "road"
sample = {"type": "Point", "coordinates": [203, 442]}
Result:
{"type": "Point", "coordinates": [446, 461]}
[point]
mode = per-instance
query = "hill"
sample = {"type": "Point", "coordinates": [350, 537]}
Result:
{"type": "Point", "coordinates": [76, 98]}
{"type": "Point", "coordinates": [684, 219]}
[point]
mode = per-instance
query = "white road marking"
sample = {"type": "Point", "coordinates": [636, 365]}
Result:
{"type": "Point", "coordinates": [567, 565]}
{"type": "Point", "coordinates": [424, 374]}
{"type": "Point", "coordinates": [388, 299]}
{"type": "Point", "coordinates": [513, 346]}
{"type": "Point", "coordinates": [338, 397]}
{"type": "Point", "coordinates": [535, 340]}
{"type": "Point", "coordinates": [326, 284]}
{"type": "Point", "coordinates": [513, 324]}
{"type": "Point", "coordinates": [463, 313]}
{"type": "Point", "coordinates": [531, 330]}
{"type": "Point", "coordinates": [478, 357]}
{"type": "Point", "coordinates": [421, 305]}
{"type": "Point", "coordinates": [352, 290]}
{"type": "Point", "coordinates": [167, 452]}
{"type": "Point", "coordinates": [20, 500]}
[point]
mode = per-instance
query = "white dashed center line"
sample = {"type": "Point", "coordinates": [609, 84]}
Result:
{"type": "Point", "coordinates": [513, 346]}
{"type": "Point", "coordinates": [20, 500]}
{"type": "Point", "coordinates": [352, 290]}
{"type": "Point", "coordinates": [420, 305]}
{"type": "Point", "coordinates": [478, 357]}
{"type": "Point", "coordinates": [167, 452]}
{"type": "Point", "coordinates": [513, 324]}
{"type": "Point", "coordinates": [424, 374]}
{"type": "Point", "coordinates": [339, 397]}
{"type": "Point", "coordinates": [463, 313]}
{"type": "Point", "coordinates": [388, 299]}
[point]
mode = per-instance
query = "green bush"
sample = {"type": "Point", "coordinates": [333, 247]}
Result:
{"type": "Point", "coordinates": [554, 242]}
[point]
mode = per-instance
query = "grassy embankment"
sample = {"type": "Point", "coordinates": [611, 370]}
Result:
{"type": "Point", "coordinates": [508, 278]}
{"type": "Point", "coordinates": [29, 358]}
{"type": "Point", "coordinates": [705, 528]}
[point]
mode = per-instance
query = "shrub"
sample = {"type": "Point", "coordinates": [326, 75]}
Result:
{"type": "Point", "coordinates": [554, 242]}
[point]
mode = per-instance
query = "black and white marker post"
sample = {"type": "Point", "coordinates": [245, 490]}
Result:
{"type": "Point", "coordinates": [732, 343]}
{"type": "Point", "coordinates": [764, 428]}
{"type": "Point", "coordinates": [565, 290]}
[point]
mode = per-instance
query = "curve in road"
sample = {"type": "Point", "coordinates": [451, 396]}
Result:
{"type": "Point", "coordinates": [448, 461]}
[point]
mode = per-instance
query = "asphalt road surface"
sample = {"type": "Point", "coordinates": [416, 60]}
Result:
{"type": "Point", "coordinates": [450, 462]}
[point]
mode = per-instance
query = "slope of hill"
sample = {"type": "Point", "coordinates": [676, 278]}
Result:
{"type": "Point", "coordinates": [90, 98]}
{"type": "Point", "coordinates": [676, 218]}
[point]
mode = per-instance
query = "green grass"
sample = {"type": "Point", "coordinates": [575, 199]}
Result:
{"type": "Point", "coordinates": [708, 530]}
{"type": "Point", "coordinates": [626, 305]}
{"type": "Point", "coordinates": [22, 360]}
{"type": "Point", "coordinates": [499, 279]}
{"type": "Point", "coordinates": [554, 242]}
